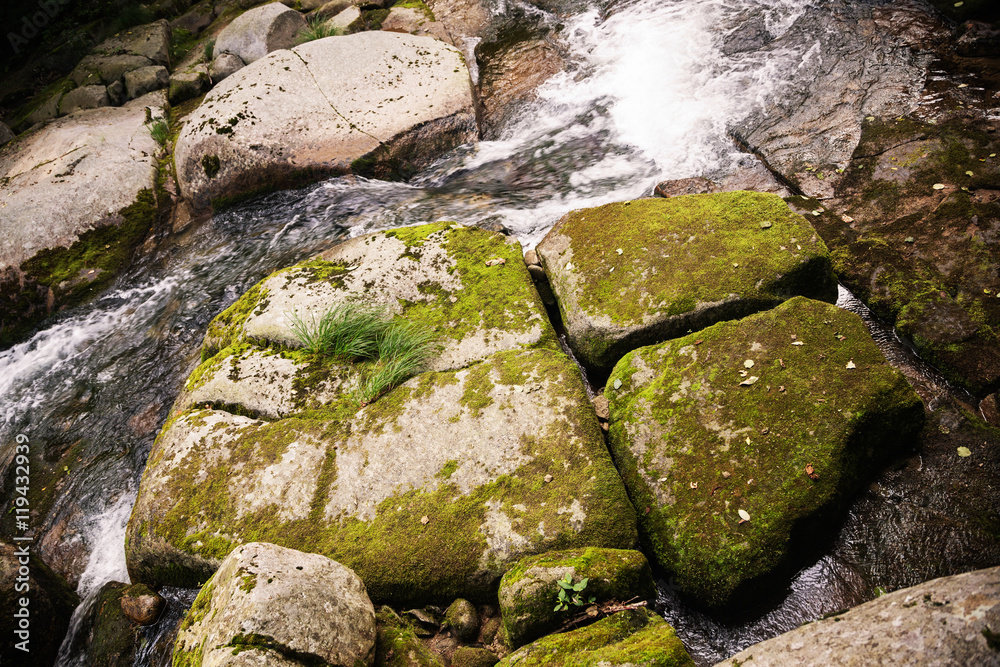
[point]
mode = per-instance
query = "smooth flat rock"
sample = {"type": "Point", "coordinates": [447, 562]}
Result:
{"type": "Point", "coordinates": [639, 272]}
{"type": "Point", "coordinates": [89, 171]}
{"type": "Point", "coordinates": [259, 31]}
{"type": "Point", "coordinates": [395, 100]}
{"type": "Point", "coordinates": [947, 621]}
{"type": "Point", "coordinates": [267, 600]}
{"type": "Point", "coordinates": [632, 638]}
{"type": "Point", "coordinates": [733, 438]}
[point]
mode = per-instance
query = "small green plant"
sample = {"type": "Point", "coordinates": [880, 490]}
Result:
{"type": "Point", "coordinates": [160, 132]}
{"type": "Point", "coordinates": [569, 593]}
{"type": "Point", "coordinates": [390, 350]}
{"type": "Point", "coordinates": [319, 28]}
{"type": "Point", "coordinates": [209, 50]}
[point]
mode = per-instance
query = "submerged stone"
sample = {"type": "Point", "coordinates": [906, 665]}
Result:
{"type": "Point", "coordinates": [529, 593]}
{"type": "Point", "coordinates": [640, 272]}
{"type": "Point", "coordinates": [732, 439]}
{"type": "Point", "coordinates": [637, 638]}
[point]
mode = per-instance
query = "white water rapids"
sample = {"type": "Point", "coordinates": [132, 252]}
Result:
{"type": "Point", "coordinates": [647, 95]}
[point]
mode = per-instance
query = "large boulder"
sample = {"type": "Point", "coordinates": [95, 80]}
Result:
{"type": "Point", "coordinates": [635, 638]}
{"type": "Point", "coordinates": [258, 31]}
{"type": "Point", "coordinates": [914, 235]}
{"type": "Point", "coordinates": [640, 272]}
{"type": "Point", "coordinates": [276, 606]}
{"type": "Point", "coordinates": [431, 491]}
{"type": "Point", "coordinates": [734, 439]}
{"type": "Point", "coordinates": [529, 592]}
{"type": "Point", "coordinates": [948, 621]}
{"type": "Point", "coordinates": [42, 622]}
{"type": "Point", "coordinates": [78, 196]}
{"type": "Point", "coordinates": [374, 103]}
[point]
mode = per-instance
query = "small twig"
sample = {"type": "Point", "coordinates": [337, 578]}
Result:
{"type": "Point", "coordinates": [598, 611]}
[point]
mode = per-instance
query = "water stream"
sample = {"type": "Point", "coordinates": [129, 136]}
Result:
{"type": "Point", "coordinates": [648, 94]}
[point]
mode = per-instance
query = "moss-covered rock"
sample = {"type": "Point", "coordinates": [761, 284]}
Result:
{"type": "Point", "coordinates": [280, 607]}
{"type": "Point", "coordinates": [640, 272]}
{"type": "Point", "coordinates": [529, 593]}
{"type": "Point", "coordinates": [431, 492]}
{"type": "Point", "coordinates": [468, 656]}
{"type": "Point", "coordinates": [462, 619]}
{"type": "Point", "coordinates": [732, 439]}
{"type": "Point", "coordinates": [78, 197]}
{"type": "Point", "coordinates": [636, 637]}
{"type": "Point", "coordinates": [913, 234]}
{"type": "Point", "coordinates": [397, 645]}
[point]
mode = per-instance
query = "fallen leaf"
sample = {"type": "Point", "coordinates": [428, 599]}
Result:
{"type": "Point", "coordinates": [547, 478]}
{"type": "Point", "coordinates": [619, 251]}
{"type": "Point", "coordinates": [781, 362]}
{"type": "Point", "coordinates": [744, 515]}
{"type": "Point", "coordinates": [847, 218]}
{"type": "Point", "coordinates": [781, 388]}
{"type": "Point", "coordinates": [749, 381]}
{"type": "Point", "coordinates": [726, 474]}
{"type": "Point", "coordinates": [748, 439]}
{"type": "Point", "coordinates": [699, 341]}
{"type": "Point", "coordinates": [969, 173]}
{"type": "Point", "coordinates": [811, 472]}
{"type": "Point", "coordinates": [938, 186]}
{"type": "Point", "coordinates": [569, 266]}
{"type": "Point", "coordinates": [765, 431]}
{"type": "Point", "coordinates": [496, 261]}
{"type": "Point", "coordinates": [909, 239]}
{"type": "Point", "coordinates": [964, 452]}
{"type": "Point", "coordinates": [850, 364]}
{"type": "Point", "coordinates": [766, 224]}
{"type": "Point", "coordinates": [424, 519]}
{"type": "Point", "coordinates": [617, 384]}
{"type": "Point", "coordinates": [798, 342]}
{"type": "Point", "coordinates": [694, 485]}
{"type": "Point", "coordinates": [748, 363]}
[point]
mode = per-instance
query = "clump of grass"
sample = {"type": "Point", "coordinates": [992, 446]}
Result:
{"type": "Point", "coordinates": [389, 350]}
{"type": "Point", "coordinates": [159, 131]}
{"type": "Point", "coordinates": [318, 28]}
{"type": "Point", "coordinates": [209, 50]}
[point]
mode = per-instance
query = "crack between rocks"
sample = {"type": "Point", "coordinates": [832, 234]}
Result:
{"type": "Point", "coordinates": [58, 157]}
{"type": "Point", "coordinates": [893, 147]}
{"type": "Point", "coordinates": [320, 89]}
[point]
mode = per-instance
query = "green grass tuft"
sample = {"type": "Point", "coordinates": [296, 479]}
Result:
{"type": "Point", "coordinates": [319, 28]}
{"type": "Point", "coordinates": [390, 350]}
{"type": "Point", "coordinates": [160, 132]}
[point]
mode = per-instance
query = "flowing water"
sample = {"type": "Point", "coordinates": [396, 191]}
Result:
{"type": "Point", "coordinates": [647, 95]}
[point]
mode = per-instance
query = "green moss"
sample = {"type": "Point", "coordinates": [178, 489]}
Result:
{"type": "Point", "coordinates": [211, 165]}
{"type": "Point", "coordinates": [114, 637]}
{"type": "Point", "coordinates": [397, 645]}
{"type": "Point", "coordinates": [398, 556]}
{"type": "Point", "coordinates": [75, 273]}
{"type": "Point", "coordinates": [419, 6]}
{"type": "Point", "coordinates": [636, 637]}
{"type": "Point", "coordinates": [712, 446]}
{"type": "Point", "coordinates": [448, 469]}
{"type": "Point", "coordinates": [226, 329]}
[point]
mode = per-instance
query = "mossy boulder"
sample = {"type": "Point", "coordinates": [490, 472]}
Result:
{"type": "Point", "coordinates": [397, 645]}
{"type": "Point", "coordinates": [78, 196]}
{"type": "Point", "coordinates": [279, 606]}
{"type": "Point", "coordinates": [462, 619]}
{"type": "Point", "coordinates": [948, 621]}
{"type": "Point", "coordinates": [640, 272]}
{"type": "Point", "coordinates": [733, 440]}
{"type": "Point", "coordinates": [374, 103]}
{"type": "Point", "coordinates": [529, 592]}
{"type": "Point", "coordinates": [913, 232]}
{"type": "Point", "coordinates": [431, 491]}
{"type": "Point", "coordinates": [636, 637]}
